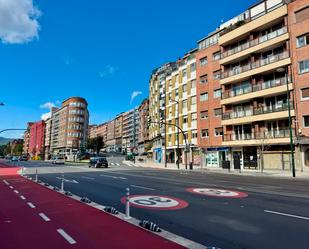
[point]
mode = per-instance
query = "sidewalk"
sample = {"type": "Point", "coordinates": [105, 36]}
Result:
{"type": "Point", "coordinates": [245, 172]}
{"type": "Point", "coordinates": [34, 216]}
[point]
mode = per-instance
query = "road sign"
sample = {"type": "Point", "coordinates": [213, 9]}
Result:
{"type": "Point", "coordinates": [157, 202]}
{"type": "Point", "coordinates": [215, 192]}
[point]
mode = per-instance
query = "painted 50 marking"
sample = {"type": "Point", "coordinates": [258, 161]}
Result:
{"type": "Point", "coordinates": [156, 202]}
{"type": "Point", "coordinates": [215, 192]}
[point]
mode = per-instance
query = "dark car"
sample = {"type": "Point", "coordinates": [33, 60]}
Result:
{"type": "Point", "coordinates": [98, 162]}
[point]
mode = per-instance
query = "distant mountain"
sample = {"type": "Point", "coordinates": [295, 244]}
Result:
{"type": "Point", "coordinates": [4, 140]}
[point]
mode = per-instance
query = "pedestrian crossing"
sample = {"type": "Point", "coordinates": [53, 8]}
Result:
{"type": "Point", "coordinates": [114, 164]}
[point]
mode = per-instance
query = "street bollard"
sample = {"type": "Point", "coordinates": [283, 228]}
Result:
{"type": "Point", "coordinates": [22, 171]}
{"type": "Point", "coordinates": [36, 175]}
{"type": "Point", "coordinates": [128, 204]}
{"type": "Point", "coordinates": [62, 183]}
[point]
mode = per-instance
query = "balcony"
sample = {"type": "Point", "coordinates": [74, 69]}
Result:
{"type": "Point", "coordinates": [255, 45]}
{"type": "Point", "coordinates": [257, 114]}
{"type": "Point", "coordinates": [280, 136]}
{"type": "Point", "coordinates": [265, 88]}
{"type": "Point", "coordinates": [233, 33]}
{"type": "Point", "coordinates": [262, 65]}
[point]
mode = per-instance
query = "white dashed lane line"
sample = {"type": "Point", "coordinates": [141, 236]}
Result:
{"type": "Point", "coordinates": [16, 191]}
{"type": "Point", "coordinates": [288, 215]}
{"type": "Point", "coordinates": [6, 182]}
{"type": "Point", "coordinates": [141, 187]}
{"type": "Point", "coordinates": [22, 197]}
{"type": "Point", "coordinates": [11, 187]}
{"type": "Point", "coordinates": [66, 236]}
{"type": "Point", "coordinates": [44, 217]}
{"type": "Point", "coordinates": [30, 205]}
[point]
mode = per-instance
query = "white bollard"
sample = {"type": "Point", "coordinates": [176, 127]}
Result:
{"type": "Point", "coordinates": [62, 183]}
{"type": "Point", "coordinates": [36, 175]}
{"type": "Point", "coordinates": [128, 204]}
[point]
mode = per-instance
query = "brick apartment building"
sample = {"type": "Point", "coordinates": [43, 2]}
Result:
{"type": "Point", "coordinates": [36, 140]}
{"type": "Point", "coordinates": [143, 135]}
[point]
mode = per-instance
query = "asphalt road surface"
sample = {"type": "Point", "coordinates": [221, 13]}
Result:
{"type": "Point", "coordinates": [257, 212]}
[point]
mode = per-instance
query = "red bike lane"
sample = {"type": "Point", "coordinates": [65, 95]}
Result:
{"type": "Point", "coordinates": [33, 216]}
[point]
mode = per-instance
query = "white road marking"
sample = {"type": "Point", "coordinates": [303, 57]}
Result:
{"type": "Point", "coordinates": [137, 186]}
{"type": "Point", "coordinates": [289, 215]}
{"type": "Point", "coordinates": [112, 164]}
{"type": "Point", "coordinates": [11, 187]}
{"type": "Point", "coordinates": [86, 177]}
{"type": "Point", "coordinates": [30, 205]}
{"type": "Point", "coordinates": [16, 191]}
{"type": "Point", "coordinates": [115, 177]}
{"type": "Point", "coordinates": [6, 182]}
{"type": "Point", "coordinates": [44, 217]}
{"type": "Point", "coordinates": [22, 197]}
{"type": "Point", "coordinates": [67, 180]}
{"type": "Point", "coordinates": [117, 164]}
{"type": "Point", "coordinates": [66, 236]}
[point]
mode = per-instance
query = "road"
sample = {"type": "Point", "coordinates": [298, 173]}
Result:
{"type": "Point", "coordinates": [267, 213]}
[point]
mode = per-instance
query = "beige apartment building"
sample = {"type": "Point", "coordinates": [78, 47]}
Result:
{"type": "Point", "coordinates": [130, 130]}
{"type": "Point", "coordinates": [69, 128]}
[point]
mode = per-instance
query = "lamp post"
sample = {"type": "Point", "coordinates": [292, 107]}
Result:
{"type": "Point", "coordinates": [177, 125]}
{"type": "Point", "coordinates": [280, 70]}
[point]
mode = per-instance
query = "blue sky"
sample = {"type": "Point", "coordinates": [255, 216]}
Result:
{"type": "Point", "coordinates": [101, 50]}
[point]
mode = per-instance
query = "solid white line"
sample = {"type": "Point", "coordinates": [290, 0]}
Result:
{"type": "Point", "coordinates": [137, 186]}
{"type": "Point", "coordinates": [86, 177]}
{"type": "Point", "coordinates": [30, 205]}
{"type": "Point", "coordinates": [66, 236]}
{"type": "Point", "coordinates": [289, 215]}
{"type": "Point", "coordinates": [11, 187]}
{"type": "Point", "coordinates": [16, 191]}
{"type": "Point", "coordinates": [22, 197]}
{"type": "Point", "coordinates": [44, 217]}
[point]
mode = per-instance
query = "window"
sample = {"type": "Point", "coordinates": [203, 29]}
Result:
{"type": "Point", "coordinates": [305, 93]}
{"type": "Point", "coordinates": [203, 61]}
{"type": "Point", "coordinates": [193, 100]}
{"type": "Point", "coordinates": [193, 84]}
{"type": "Point", "coordinates": [184, 73]}
{"type": "Point", "coordinates": [302, 40]}
{"type": "Point", "coordinates": [176, 92]}
{"type": "Point", "coordinates": [303, 66]}
{"type": "Point", "coordinates": [218, 112]}
{"type": "Point", "coordinates": [185, 119]}
{"type": "Point", "coordinates": [203, 79]}
{"type": "Point", "coordinates": [204, 133]}
{"type": "Point", "coordinates": [209, 41]}
{"type": "Point", "coordinates": [203, 96]}
{"type": "Point", "coordinates": [217, 93]}
{"type": "Point", "coordinates": [192, 67]}
{"type": "Point", "coordinates": [219, 132]}
{"type": "Point", "coordinates": [302, 14]}
{"type": "Point", "coordinates": [306, 121]}
{"type": "Point", "coordinates": [194, 134]}
{"type": "Point", "coordinates": [204, 114]}
{"type": "Point", "coordinates": [185, 104]}
{"type": "Point", "coordinates": [217, 75]}
{"type": "Point", "coordinates": [216, 56]}
{"type": "Point", "coordinates": [184, 87]}
{"type": "Point", "coordinates": [193, 117]}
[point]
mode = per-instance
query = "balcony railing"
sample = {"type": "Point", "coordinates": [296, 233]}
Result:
{"type": "Point", "coordinates": [265, 109]}
{"type": "Point", "coordinates": [256, 64]}
{"type": "Point", "coordinates": [255, 88]}
{"type": "Point", "coordinates": [280, 133]}
{"type": "Point", "coordinates": [255, 42]}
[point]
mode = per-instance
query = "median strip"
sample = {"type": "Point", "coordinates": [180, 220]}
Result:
{"type": "Point", "coordinates": [66, 236]}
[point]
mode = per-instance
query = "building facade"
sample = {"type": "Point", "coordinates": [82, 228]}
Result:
{"type": "Point", "coordinates": [118, 132]}
{"type": "Point", "coordinates": [143, 130]}
{"type": "Point", "coordinates": [110, 136]}
{"type": "Point", "coordinates": [27, 139]}
{"type": "Point", "coordinates": [36, 140]}
{"type": "Point", "coordinates": [130, 130]}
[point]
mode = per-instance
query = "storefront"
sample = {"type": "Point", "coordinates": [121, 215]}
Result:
{"type": "Point", "coordinates": [213, 157]}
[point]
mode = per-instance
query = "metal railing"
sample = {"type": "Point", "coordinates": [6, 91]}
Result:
{"type": "Point", "coordinates": [264, 109]}
{"type": "Point", "coordinates": [280, 133]}
{"type": "Point", "coordinates": [257, 41]}
{"type": "Point", "coordinates": [256, 64]}
{"type": "Point", "coordinates": [255, 88]}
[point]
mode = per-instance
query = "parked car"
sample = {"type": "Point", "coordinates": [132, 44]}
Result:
{"type": "Point", "coordinates": [58, 160]}
{"type": "Point", "coordinates": [14, 159]}
{"type": "Point", "coordinates": [23, 158]}
{"type": "Point", "coordinates": [98, 162]}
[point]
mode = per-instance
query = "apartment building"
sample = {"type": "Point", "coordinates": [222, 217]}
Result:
{"type": "Point", "coordinates": [92, 131]}
{"type": "Point", "coordinates": [210, 130]}
{"type": "Point", "coordinates": [110, 136]}
{"type": "Point", "coordinates": [27, 139]}
{"type": "Point", "coordinates": [181, 109]}
{"type": "Point", "coordinates": [263, 76]}
{"type": "Point", "coordinates": [130, 130]}
{"type": "Point", "coordinates": [118, 132]}
{"type": "Point", "coordinates": [70, 127]}
{"type": "Point", "coordinates": [36, 140]}
{"type": "Point", "coordinates": [47, 138]}
{"type": "Point", "coordinates": [143, 134]}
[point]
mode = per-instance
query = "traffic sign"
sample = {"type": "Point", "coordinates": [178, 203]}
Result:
{"type": "Point", "coordinates": [157, 202]}
{"type": "Point", "coordinates": [215, 192]}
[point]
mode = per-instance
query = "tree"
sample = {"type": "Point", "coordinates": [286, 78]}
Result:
{"type": "Point", "coordinates": [18, 149]}
{"type": "Point", "coordinates": [95, 144]}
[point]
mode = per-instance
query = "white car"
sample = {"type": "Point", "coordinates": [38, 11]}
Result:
{"type": "Point", "coordinates": [58, 160]}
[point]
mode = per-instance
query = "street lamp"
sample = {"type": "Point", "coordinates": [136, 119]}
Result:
{"type": "Point", "coordinates": [281, 70]}
{"type": "Point", "coordinates": [178, 156]}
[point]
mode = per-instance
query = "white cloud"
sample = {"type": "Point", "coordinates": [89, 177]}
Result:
{"type": "Point", "coordinates": [68, 60]}
{"type": "Point", "coordinates": [108, 70]}
{"type": "Point", "coordinates": [48, 105]}
{"type": "Point", "coordinates": [18, 21]}
{"type": "Point", "coordinates": [134, 95]}
{"type": "Point", "coordinates": [45, 116]}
